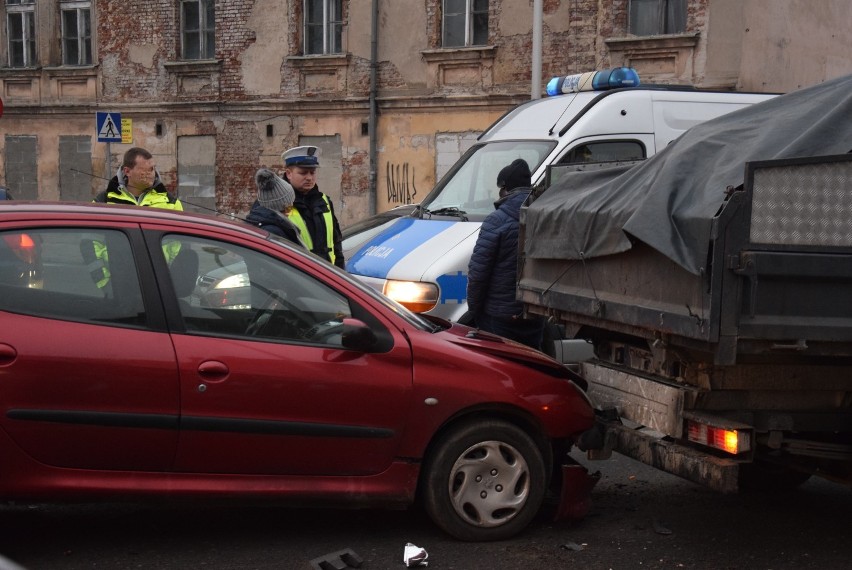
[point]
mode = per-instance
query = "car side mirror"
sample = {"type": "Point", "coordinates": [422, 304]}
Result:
{"type": "Point", "coordinates": [357, 335]}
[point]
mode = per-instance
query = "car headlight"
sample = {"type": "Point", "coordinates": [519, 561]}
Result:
{"type": "Point", "coordinates": [234, 281]}
{"type": "Point", "coordinates": [415, 296]}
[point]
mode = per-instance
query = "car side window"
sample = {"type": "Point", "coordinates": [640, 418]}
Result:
{"type": "Point", "coordinates": [71, 274]}
{"type": "Point", "coordinates": [605, 151]}
{"type": "Point", "coordinates": [225, 289]}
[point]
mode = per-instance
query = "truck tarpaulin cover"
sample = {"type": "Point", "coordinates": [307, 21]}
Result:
{"type": "Point", "coordinates": [669, 200]}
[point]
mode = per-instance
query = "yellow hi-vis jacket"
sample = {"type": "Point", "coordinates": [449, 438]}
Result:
{"type": "Point", "coordinates": [155, 197]}
{"type": "Point", "coordinates": [327, 217]}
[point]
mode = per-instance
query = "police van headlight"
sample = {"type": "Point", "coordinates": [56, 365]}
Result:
{"type": "Point", "coordinates": [415, 296]}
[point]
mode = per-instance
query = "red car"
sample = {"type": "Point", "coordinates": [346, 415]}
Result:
{"type": "Point", "coordinates": [123, 376]}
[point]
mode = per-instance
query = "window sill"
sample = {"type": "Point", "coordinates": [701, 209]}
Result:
{"type": "Point", "coordinates": [20, 71]}
{"type": "Point", "coordinates": [193, 66]}
{"type": "Point", "coordinates": [72, 70]}
{"type": "Point", "coordinates": [453, 54]}
{"type": "Point", "coordinates": [666, 41]}
{"type": "Point", "coordinates": [319, 61]}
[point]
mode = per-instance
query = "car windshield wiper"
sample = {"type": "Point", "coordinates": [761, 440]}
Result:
{"type": "Point", "coordinates": [448, 211]}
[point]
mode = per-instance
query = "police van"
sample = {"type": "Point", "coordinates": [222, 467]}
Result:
{"type": "Point", "coordinates": [421, 259]}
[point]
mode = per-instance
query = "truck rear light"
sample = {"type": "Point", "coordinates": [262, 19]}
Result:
{"type": "Point", "coordinates": [733, 441]}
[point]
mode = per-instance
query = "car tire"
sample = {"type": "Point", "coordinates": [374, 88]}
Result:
{"type": "Point", "coordinates": [484, 481]}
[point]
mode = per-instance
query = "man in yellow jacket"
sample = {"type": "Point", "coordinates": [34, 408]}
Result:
{"type": "Point", "coordinates": [313, 212]}
{"type": "Point", "coordinates": [137, 183]}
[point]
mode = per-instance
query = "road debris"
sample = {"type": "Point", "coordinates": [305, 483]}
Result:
{"type": "Point", "coordinates": [414, 556]}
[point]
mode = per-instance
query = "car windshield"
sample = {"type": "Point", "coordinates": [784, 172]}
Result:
{"type": "Point", "coordinates": [469, 190]}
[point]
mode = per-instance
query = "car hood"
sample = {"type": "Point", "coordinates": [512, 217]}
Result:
{"type": "Point", "coordinates": [504, 348]}
{"type": "Point", "coordinates": [409, 247]}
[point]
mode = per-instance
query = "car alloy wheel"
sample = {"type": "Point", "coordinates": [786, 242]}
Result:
{"type": "Point", "coordinates": [484, 481]}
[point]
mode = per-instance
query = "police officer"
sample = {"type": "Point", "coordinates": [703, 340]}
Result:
{"type": "Point", "coordinates": [313, 212]}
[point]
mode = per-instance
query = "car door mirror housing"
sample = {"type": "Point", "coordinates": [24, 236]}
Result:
{"type": "Point", "coordinates": [358, 336]}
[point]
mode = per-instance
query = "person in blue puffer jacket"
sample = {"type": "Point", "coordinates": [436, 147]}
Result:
{"type": "Point", "coordinates": [493, 268]}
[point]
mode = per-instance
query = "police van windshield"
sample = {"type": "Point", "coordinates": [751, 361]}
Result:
{"type": "Point", "coordinates": [469, 190]}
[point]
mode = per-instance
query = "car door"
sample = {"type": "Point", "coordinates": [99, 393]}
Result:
{"type": "Point", "coordinates": [88, 375]}
{"type": "Point", "coordinates": [266, 386]}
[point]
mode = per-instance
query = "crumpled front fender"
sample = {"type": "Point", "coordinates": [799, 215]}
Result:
{"type": "Point", "coordinates": [575, 497]}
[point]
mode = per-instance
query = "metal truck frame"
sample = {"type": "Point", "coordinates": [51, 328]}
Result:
{"type": "Point", "coordinates": [738, 375]}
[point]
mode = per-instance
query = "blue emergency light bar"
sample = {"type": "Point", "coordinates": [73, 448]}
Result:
{"type": "Point", "coordinates": [593, 81]}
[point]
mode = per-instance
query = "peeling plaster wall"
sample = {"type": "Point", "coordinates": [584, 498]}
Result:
{"type": "Point", "coordinates": [358, 41]}
{"type": "Point", "coordinates": [262, 60]}
{"type": "Point", "coordinates": [407, 164]}
{"type": "Point", "coordinates": [789, 44]}
{"type": "Point", "coordinates": [724, 43]}
{"type": "Point", "coordinates": [403, 24]}
{"type": "Point", "coordinates": [261, 95]}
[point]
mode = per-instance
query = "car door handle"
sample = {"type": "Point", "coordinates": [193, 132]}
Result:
{"type": "Point", "coordinates": [7, 353]}
{"type": "Point", "coordinates": [213, 370]}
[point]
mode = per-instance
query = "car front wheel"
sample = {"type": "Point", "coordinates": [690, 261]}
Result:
{"type": "Point", "coordinates": [484, 481]}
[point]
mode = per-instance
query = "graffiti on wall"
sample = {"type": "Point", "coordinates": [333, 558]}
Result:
{"type": "Point", "coordinates": [401, 188]}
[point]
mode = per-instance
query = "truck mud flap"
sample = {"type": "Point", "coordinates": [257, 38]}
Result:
{"type": "Point", "coordinates": [649, 447]}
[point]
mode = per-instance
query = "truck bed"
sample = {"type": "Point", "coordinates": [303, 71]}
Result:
{"type": "Point", "coordinates": [775, 287]}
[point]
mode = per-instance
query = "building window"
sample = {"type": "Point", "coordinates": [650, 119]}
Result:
{"type": "Point", "coordinates": [20, 31]}
{"type": "Point", "coordinates": [656, 17]}
{"type": "Point", "coordinates": [465, 23]}
{"type": "Point", "coordinates": [76, 33]}
{"type": "Point", "coordinates": [197, 29]}
{"type": "Point", "coordinates": [323, 27]}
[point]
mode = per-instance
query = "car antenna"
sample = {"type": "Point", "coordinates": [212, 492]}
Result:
{"type": "Point", "coordinates": [194, 205]}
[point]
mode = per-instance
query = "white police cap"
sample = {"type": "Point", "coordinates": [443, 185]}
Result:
{"type": "Point", "coordinates": [307, 156]}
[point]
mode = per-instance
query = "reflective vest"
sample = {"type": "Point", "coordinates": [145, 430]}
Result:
{"type": "Point", "coordinates": [152, 198]}
{"type": "Point", "coordinates": [296, 217]}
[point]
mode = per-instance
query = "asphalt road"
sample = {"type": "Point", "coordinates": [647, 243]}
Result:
{"type": "Point", "coordinates": [641, 518]}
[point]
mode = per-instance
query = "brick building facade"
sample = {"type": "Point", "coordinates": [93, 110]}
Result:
{"type": "Point", "coordinates": [217, 88]}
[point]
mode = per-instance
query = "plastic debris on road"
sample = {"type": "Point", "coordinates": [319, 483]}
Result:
{"type": "Point", "coordinates": [573, 546]}
{"type": "Point", "coordinates": [414, 556]}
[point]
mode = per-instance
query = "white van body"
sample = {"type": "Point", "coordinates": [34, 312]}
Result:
{"type": "Point", "coordinates": [431, 248]}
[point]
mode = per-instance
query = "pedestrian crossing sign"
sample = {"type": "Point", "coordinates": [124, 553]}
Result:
{"type": "Point", "coordinates": [109, 127]}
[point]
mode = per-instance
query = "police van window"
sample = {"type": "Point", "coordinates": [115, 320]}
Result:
{"type": "Point", "coordinates": [472, 186]}
{"type": "Point", "coordinates": [605, 151]}
{"type": "Point", "coordinates": [71, 274]}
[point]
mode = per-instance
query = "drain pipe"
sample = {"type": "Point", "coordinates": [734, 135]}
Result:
{"type": "Point", "coordinates": [372, 125]}
{"type": "Point", "coordinates": [535, 93]}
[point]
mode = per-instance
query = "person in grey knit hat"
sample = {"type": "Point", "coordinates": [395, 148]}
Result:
{"type": "Point", "coordinates": [275, 198]}
{"type": "Point", "coordinates": [273, 191]}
